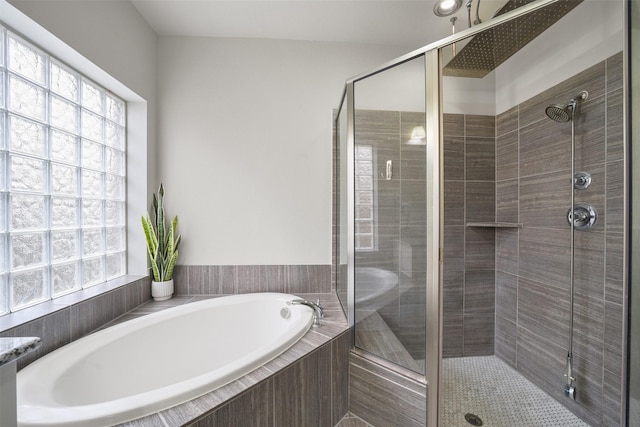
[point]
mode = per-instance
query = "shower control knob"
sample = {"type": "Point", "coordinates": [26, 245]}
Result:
{"type": "Point", "coordinates": [583, 217]}
{"type": "Point", "coordinates": [582, 180]}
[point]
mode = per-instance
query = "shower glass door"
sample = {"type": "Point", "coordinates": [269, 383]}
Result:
{"type": "Point", "coordinates": [390, 195]}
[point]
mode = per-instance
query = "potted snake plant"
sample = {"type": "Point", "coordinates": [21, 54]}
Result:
{"type": "Point", "coordinates": [162, 247]}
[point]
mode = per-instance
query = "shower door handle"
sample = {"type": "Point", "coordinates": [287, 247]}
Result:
{"type": "Point", "coordinates": [389, 170]}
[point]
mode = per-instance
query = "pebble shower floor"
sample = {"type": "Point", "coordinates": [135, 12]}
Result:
{"type": "Point", "coordinates": [500, 396]}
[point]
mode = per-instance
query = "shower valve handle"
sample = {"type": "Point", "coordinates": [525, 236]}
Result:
{"type": "Point", "coordinates": [583, 217]}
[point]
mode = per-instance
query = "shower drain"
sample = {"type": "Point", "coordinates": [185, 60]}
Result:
{"type": "Point", "coordinates": [473, 419]}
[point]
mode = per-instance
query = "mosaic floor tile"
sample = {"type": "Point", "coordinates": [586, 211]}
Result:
{"type": "Point", "coordinates": [498, 395]}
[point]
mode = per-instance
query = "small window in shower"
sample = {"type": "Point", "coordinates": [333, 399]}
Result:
{"type": "Point", "coordinates": [365, 236]}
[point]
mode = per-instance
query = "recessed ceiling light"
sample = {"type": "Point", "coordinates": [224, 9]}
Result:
{"type": "Point", "coordinates": [446, 7]}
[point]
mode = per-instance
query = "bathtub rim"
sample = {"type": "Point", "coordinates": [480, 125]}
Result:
{"type": "Point", "coordinates": [159, 403]}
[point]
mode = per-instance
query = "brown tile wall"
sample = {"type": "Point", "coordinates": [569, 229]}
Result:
{"type": "Point", "coordinates": [469, 252]}
{"type": "Point", "coordinates": [384, 397]}
{"type": "Point", "coordinates": [310, 392]}
{"type": "Point", "coordinates": [533, 263]}
{"type": "Point", "coordinates": [239, 279]}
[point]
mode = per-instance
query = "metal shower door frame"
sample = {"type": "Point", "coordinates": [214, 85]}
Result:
{"type": "Point", "coordinates": [435, 231]}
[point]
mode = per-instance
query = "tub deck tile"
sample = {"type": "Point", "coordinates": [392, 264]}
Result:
{"type": "Point", "coordinates": [179, 415]}
{"type": "Point", "coordinates": [297, 351]}
{"type": "Point", "coordinates": [153, 420]}
{"type": "Point", "coordinates": [330, 329]}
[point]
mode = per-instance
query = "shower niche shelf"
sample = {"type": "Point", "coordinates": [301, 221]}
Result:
{"type": "Point", "coordinates": [494, 224]}
{"type": "Point", "coordinates": [487, 50]}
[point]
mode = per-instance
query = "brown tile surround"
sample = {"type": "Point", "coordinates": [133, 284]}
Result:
{"type": "Point", "coordinates": [385, 398]}
{"type": "Point", "coordinates": [532, 287]}
{"type": "Point", "coordinates": [469, 252]}
{"type": "Point", "coordinates": [531, 264]}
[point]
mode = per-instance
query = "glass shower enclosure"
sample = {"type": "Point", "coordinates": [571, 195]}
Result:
{"type": "Point", "coordinates": [390, 214]}
{"type": "Point", "coordinates": [455, 203]}
{"type": "Point", "coordinates": [387, 172]}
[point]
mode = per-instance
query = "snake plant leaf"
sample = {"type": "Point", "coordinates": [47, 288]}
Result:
{"type": "Point", "coordinates": [160, 228]}
{"type": "Point", "coordinates": [162, 243]}
{"type": "Point", "coordinates": [174, 240]}
{"type": "Point", "coordinates": [155, 203]}
{"type": "Point", "coordinates": [172, 264]}
{"type": "Point", "coordinates": [157, 277]}
{"type": "Point", "coordinates": [149, 234]}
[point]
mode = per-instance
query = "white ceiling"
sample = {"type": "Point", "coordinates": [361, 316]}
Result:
{"type": "Point", "coordinates": [405, 23]}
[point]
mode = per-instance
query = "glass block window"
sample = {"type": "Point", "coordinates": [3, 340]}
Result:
{"type": "Point", "coordinates": [62, 178]}
{"type": "Point", "coordinates": [364, 198]}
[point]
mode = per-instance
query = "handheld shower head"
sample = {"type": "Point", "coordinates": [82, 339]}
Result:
{"type": "Point", "coordinates": [559, 113]}
{"type": "Point", "coordinates": [564, 113]}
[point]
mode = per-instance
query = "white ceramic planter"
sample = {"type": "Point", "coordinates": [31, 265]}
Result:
{"type": "Point", "coordinates": [161, 291]}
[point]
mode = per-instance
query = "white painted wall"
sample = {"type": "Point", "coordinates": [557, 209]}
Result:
{"type": "Point", "coordinates": [111, 43]}
{"type": "Point", "coordinates": [245, 131]}
{"type": "Point", "coordinates": [462, 95]}
{"type": "Point", "coordinates": [401, 88]}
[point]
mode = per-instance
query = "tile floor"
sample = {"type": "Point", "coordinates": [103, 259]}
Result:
{"type": "Point", "coordinates": [491, 389]}
{"type": "Point", "coordinates": [351, 420]}
{"type": "Point", "coordinates": [500, 396]}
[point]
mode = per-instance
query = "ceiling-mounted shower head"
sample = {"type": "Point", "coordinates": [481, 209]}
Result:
{"type": "Point", "coordinates": [564, 113]}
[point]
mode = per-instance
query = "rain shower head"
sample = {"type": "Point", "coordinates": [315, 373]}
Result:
{"type": "Point", "coordinates": [564, 113]}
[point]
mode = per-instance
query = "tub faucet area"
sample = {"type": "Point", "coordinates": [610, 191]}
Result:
{"type": "Point", "coordinates": [315, 306]}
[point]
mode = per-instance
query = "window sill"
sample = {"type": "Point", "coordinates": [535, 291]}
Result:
{"type": "Point", "coordinates": [21, 317]}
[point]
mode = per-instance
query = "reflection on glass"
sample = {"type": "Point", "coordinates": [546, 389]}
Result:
{"type": "Point", "coordinates": [390, 215]}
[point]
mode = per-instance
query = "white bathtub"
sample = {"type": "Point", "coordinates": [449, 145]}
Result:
{"type": "Point", "coordinates": [151, 363]}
